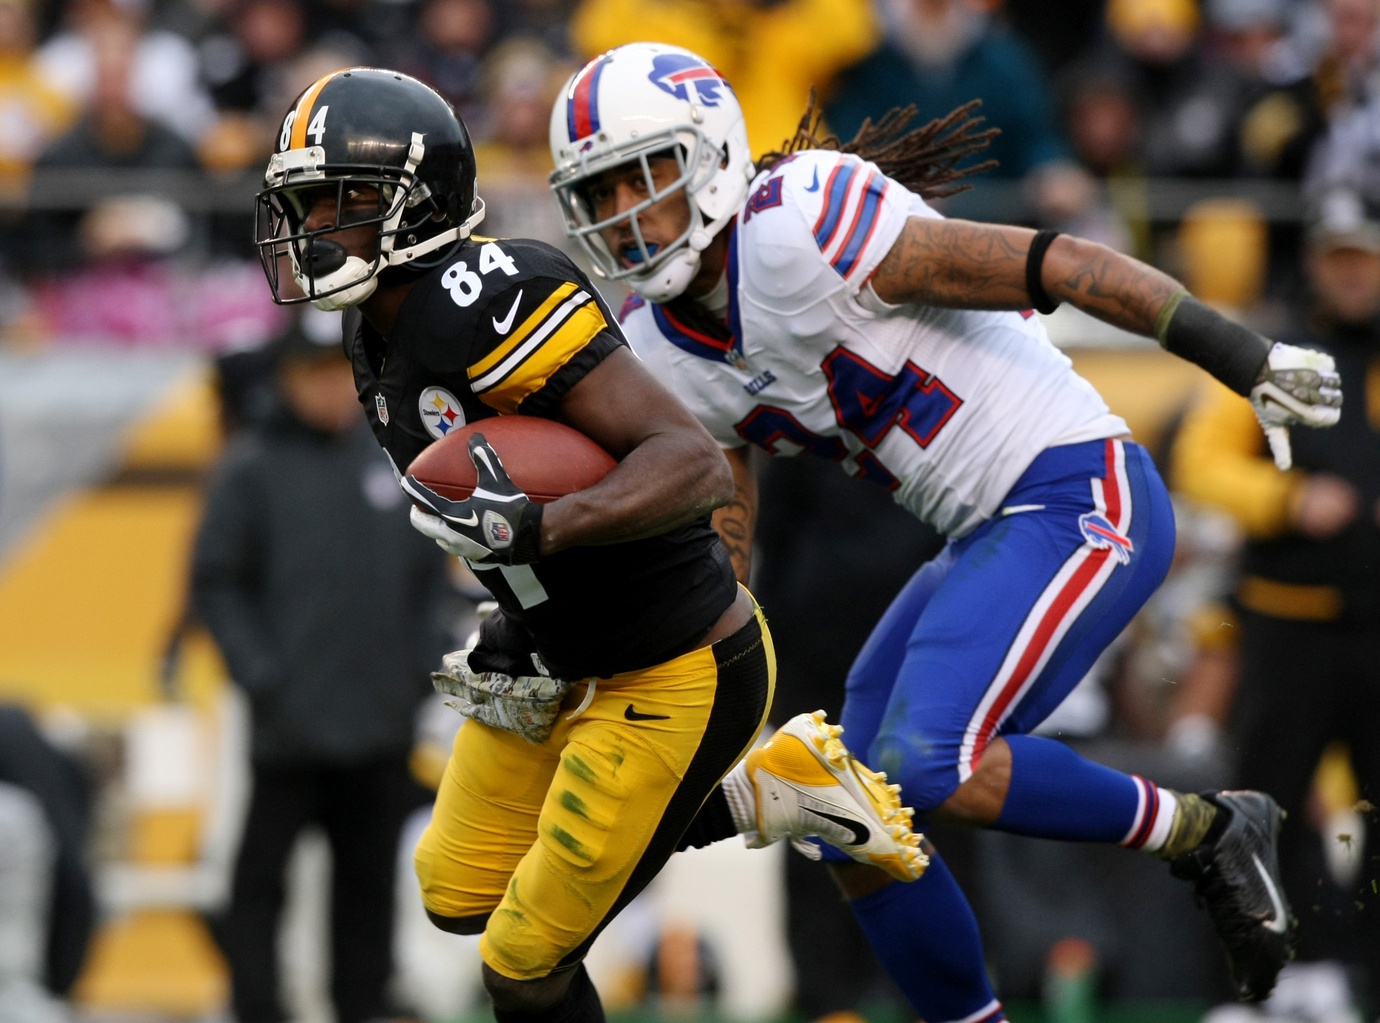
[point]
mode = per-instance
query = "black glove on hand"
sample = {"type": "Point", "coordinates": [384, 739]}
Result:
{"type": "Point", "coordinates": [497, 523]}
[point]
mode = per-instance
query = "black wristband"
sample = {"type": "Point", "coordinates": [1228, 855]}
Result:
{"type": "Point", "coordinates": [527, 542]}
{"type": "Point", "coordinates": [1230, 352]}
{"type": "Point", "coordinates": [1034, 264]}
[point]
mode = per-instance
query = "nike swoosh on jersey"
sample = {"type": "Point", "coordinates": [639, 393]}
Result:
{"type": "Point", "coordinates": [506, 324]}
{"type": "Point", "coordinates": [813, 186]}
{"type": "Point", "coordinates": [1279, 923]}
{"type": "Point", "coordinates": [857, 829]}
{"type": "Point", "coordinates": [637, 715]}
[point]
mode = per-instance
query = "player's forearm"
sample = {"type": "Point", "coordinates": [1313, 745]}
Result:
{"type": "Point", "coordinates": [1106, 284]}
{"type": "Point", "coordinates": [665, 482]}
{"type": "Point", "coordinates": [961, 264]}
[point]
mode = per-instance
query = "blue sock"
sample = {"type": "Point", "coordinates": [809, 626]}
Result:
{"type": "Point", "coordinates": [926, 937]}
{"type": "Point", "coordinates": [1055, 793]}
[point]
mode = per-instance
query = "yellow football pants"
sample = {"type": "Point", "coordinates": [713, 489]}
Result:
{"type": "Point", "coordinates": [553, 840]}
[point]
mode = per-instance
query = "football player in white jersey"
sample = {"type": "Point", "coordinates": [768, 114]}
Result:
{"type": "Point", "coordinates": [816, 303]}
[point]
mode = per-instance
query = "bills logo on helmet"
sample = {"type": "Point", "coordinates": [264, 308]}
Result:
{"type": "Point", "coordinates": [440, 411]}
{"type": "Point", "coordinates": [688, 78]}
{"type": "Point", "coordinates": [1103, 536]}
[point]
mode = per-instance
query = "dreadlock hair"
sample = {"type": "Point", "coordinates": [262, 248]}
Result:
{"type": "Point", "coordinates": [922, 159]}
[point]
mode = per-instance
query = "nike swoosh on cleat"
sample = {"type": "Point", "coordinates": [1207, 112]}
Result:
{"type": "Point", "coordinates": [637, 715]}
{"type": "Point", "coordinates": [856, 828]}
{"type": "Point", "coordinates": [1279, 923]}
{"type": "Point", "coordinates": [502, 326]}
{"type": "Point", "coordinates": [813, 186]}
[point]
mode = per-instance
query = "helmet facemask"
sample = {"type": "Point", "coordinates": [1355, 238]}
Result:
{"type": "Point", "coordinates": [407, 220]}
{"type": "Point", "coordinates": [658, 272]}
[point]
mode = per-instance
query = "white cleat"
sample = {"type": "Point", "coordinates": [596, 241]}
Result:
{"type": "Point", "coordinates": [806, 783]}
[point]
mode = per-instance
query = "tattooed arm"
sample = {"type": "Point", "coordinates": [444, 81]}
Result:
{"type": "Point", "coordinates": [736, 520]}
{"type": "Point", "coordinates": [958, 263]}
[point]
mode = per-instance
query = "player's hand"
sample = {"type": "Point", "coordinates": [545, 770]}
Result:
{"type": "Point", "coordinates": [1296, 386]}
{"type": "Point", "coordinates": [497, 523]}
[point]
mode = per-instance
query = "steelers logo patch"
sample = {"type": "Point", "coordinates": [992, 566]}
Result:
{"type": "Point", "coordinates": [441, 413]}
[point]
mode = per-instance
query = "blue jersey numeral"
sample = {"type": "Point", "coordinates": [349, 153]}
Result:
{"type": "Point", "coordinates": [868, 403]}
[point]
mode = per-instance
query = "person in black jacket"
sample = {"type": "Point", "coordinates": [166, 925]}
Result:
{"type": "Point", "coordinates": [45, 884]}
{"type": "Point", "coordinates": [1308, 592]}
{"type": "Point", "coordinates": [324, 602]}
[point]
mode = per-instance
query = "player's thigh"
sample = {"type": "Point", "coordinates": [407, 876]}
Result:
{"type": "Point", "coordinates": [484, 818]}
{"type": "Point", "coordinates": [1031, 600]}
{"type": "Point", "coordinates": [636, 766]}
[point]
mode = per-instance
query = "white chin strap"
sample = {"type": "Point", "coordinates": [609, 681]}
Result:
{"type": "Point", "coordinates": [670, 279]}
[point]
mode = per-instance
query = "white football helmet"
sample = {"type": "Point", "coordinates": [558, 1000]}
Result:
{"type": "Point", "coordinates": [627, 105]}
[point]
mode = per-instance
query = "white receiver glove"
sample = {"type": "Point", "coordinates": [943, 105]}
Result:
{"type": "Point", "coordinates": [1296, 386]}
{"type": "Point", "coordinates": [524, 704]}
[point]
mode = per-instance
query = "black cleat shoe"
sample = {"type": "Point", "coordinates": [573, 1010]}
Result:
{"type": "Point", "coordinates": [1235, 874]}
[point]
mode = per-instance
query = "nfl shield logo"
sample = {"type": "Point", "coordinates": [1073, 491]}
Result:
{"type": "Point", "coordinates": [382, 407]}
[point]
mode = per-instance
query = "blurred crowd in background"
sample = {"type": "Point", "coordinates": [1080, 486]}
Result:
{"type": "Point", "coordinates": [134, 130]}
{"type": "Point", "coordinates": [1234, 143]}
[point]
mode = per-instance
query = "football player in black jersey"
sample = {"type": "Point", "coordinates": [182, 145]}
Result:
{"type": "Point", "coordinates": [618, 604]}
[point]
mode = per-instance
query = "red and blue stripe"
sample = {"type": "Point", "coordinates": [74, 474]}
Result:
{"type": "Point", "coordinates": [864, 223]}
{"type": "Point", "coordinates": [582, 100]}
{"type": "Point", "coordinates": [855, 231]}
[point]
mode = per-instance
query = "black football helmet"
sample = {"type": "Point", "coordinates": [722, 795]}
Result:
{"type": "Point", "coordinates": [353, 135]}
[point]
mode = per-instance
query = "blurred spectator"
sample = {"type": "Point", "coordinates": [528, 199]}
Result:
{"type": "Point", "coordinates": [939, 54]}
{"type": "Point", "coordinates": [520, 80]}
{"type": "Point", "coordinates": [1308, 596]}
{"type": "Point", "coordinates": [1101, 111]}
{"type": "Point", "coordinates": [32, 112]}
{"type": "Point", "coordinates": [249, 71]}
{"type": "Point", "coordinates": [446, 50]}
{"type": "Point", "coordinates": [164, 71]}
{"type": "Point", "coordinates": [1190, 103]}
{"type": "Point", "coordinates": [772, 51]}
{"type": "Point", "coordinates": [326, 605]}
{"type": "Point", "coordinates": [547, 21]}
{"type": "Point", "coordinates": [112, 134]}
{"type": "Point", "coordinates": [1282, 113]}
{"type": "Point", "coordinates": [47, 910]}
{"type": "Point", "coordinates": [1347, 78]}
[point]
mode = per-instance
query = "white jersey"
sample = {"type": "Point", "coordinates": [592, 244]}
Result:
{"type": "Point", "coordinates": [944, 407]}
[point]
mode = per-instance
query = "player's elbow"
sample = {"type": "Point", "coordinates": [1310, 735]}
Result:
{"type": "Point", "coordinates": [713, 475]}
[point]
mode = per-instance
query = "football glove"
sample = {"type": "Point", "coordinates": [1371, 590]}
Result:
{"type": "Point", "coordinates": [497, 523]}
{"type": "Point", "coordinates": [1296, 386]}
{"type": "Point", "coordinates": [526, 705]}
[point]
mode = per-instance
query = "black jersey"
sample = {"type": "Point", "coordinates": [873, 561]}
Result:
{"type": "Point", "coordinates": [507, 327]}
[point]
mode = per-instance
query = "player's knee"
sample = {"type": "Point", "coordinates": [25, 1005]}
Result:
{"type": "Point", "coordinates": [459, 924]}
{"type": "Point", "coordinates": [510, 995]}
{"type": "Point", "coordinates": [924, 767]}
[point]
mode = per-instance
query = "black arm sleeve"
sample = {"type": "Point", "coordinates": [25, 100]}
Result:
{"type": "Point", "coordinates": [1230, 352]}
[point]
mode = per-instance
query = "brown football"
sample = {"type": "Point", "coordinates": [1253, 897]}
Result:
{"type": "Point", "coordinates": [544, 458]}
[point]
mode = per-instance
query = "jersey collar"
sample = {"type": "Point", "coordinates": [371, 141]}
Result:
{"type": "Point", "coordinates": [699, 344]}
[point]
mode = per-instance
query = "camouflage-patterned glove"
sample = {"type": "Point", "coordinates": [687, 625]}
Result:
{"type": "Point", "coordinates": [524, 704]}
{"type": "Point", "coordinates": [1297, 386]}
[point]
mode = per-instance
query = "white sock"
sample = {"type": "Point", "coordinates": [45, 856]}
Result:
{"type": "Point", "coordinates": [742, 800]}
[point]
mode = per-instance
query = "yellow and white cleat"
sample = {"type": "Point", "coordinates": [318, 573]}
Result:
{"type": "Point", "coordinates": [806, 783]}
